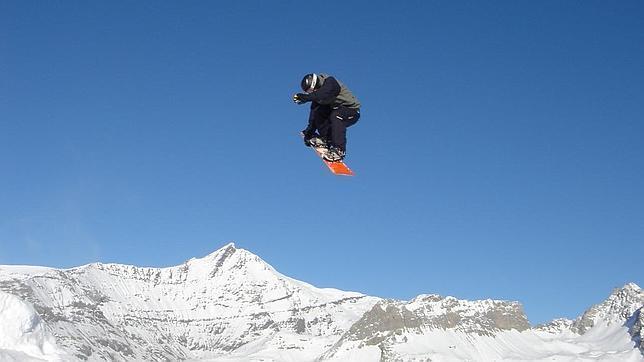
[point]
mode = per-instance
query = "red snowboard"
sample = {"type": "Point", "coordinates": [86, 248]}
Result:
{"type": "Point", "coordinates": [337, 167]}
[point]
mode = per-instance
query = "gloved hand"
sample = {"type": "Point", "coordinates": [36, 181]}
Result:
{"type": "Point", "coordinates": [301, 98]}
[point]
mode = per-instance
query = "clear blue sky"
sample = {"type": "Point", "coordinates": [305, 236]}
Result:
{"type": "Point", "coordinates": [499, 154]}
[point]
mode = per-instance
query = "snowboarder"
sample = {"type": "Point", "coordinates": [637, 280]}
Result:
{"type": "Point", "coordinates": [333, 109]}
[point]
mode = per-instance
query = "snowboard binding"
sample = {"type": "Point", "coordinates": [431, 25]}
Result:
{"type": "Point", "coordinates": [317, 142]}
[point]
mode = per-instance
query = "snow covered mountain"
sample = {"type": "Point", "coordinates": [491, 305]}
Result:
{"type": "Point", "coordinates": [232, 306]}
{"type": "Point", "coordinates": [203, 308]}
{"type": "Point", "coordinates": [435, 328]}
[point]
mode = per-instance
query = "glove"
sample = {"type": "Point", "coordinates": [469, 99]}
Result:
{"type": "Point", "coordinates": [301, 98]}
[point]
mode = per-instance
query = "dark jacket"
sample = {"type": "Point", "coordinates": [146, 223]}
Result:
{"type": "Point", "coordinates": [333, 93]}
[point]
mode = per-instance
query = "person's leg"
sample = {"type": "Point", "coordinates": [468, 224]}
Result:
{"type": "Point", "coordinates": [339, 119]}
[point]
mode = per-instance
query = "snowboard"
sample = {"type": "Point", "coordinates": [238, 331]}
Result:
{"type": "Point", "coordinates": [338, 167]}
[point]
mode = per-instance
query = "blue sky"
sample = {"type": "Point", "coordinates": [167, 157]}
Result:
{"type": "Point", "coordinates": [499, 154]}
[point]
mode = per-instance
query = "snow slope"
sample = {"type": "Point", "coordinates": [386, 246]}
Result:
{"type": "Point", "coordinates": [23, 336]}
{"type": "Point", "coordinates": [233, 306]}
{"type": "Point", "coordinates": [601, 343]}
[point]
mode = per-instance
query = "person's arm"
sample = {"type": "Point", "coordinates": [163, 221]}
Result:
{"type": "Point", "coordinates": [324, 95]}
{"type": "Point", "coordinates": [327, 92]}
{"type": "Point", "coordinates": [309, 131]}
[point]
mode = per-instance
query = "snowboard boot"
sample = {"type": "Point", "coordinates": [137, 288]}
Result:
{"type": "Point", "coordinates": [334, 154]}
{"type": "Point", "coordinates": [317, 142]}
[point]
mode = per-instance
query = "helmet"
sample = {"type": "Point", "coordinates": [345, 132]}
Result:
{"type": "Point", "coordinates": [309, 82]}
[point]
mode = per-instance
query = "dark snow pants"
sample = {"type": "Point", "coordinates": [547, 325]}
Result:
{"type": "Point", "coordinates": [332, 122]}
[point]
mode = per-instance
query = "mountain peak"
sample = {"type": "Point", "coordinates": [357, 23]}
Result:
{"type": "Point", "coordinates": [619, 306]}
{"type": "Point", "coordinates": [626, 294]}
{"type": "Point", "coordinates": [224, 260]}
{"type": "Point", "coordinates": [224, 251]}
{"type": "Point", "coordinates": [632, 287]}
{"type": "Point", "coordinates": [217, 258]}
{"type": "Point", "coordinates": [230, 245]}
